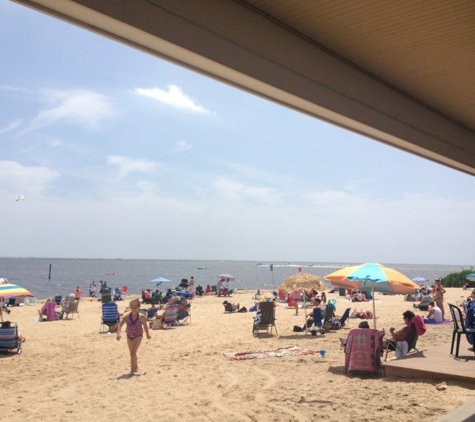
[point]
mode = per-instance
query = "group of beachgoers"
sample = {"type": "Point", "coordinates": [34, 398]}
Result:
{"type": "Point", "coordinates": [59, 306]}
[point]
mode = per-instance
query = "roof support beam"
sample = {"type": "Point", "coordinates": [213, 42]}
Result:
{"type": "Point", "coordinates": [231, 42]}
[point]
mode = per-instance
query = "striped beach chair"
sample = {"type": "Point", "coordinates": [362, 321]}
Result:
{"type": "Point", "coordinates": [170, 316]}
{"type": "Point", "coordinates": [110, 317]}
{"type": "Point", "coordinates": [9, 340]}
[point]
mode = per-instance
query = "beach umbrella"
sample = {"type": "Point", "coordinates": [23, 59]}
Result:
{"type": "Point", "coordinates": [12, 290]}
{"type": "Point", "coordinates": [226, 276]}
{"type": "Point", "coordinates": [419, 280]}
{"type": "Point", "coordinates": [470, 277]}
{"type": "Point", "coordinates": [302, 281]}
{"type": "Point", "coordinates": [160, 280]}
{"type": "Point", "coordinates": [374, 277]}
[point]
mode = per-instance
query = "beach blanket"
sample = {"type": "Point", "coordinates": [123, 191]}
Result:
{"type": "Point", "coordinates": [445, 321]}
{"type": "Point", "coordinates": [261, 354]}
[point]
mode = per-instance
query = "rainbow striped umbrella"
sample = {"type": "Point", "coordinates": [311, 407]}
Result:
{"type": "Point", "coordinates": [374, 277]}
{"type": "Point", "coordinates": [12, 290]}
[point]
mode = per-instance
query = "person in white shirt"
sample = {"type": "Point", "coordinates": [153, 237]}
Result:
{"type": "Point", "coordinates": [435, 314]}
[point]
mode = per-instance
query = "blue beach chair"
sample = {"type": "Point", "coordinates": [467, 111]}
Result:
{"type": "Point", "coordinates": [110, 317]}
{"type": "Point", "coordinates": [9, 340]}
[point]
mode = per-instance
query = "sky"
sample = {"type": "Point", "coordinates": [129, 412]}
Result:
{"type": "Point", "coordinates": [119, 154]}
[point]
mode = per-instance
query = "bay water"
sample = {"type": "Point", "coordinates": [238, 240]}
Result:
{"type": "Point", "coordinates": [34, 273]}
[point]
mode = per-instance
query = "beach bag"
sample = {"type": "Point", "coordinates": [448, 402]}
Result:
{"type": "Point", "coordinates": [402, 348]}
{"type": "Point", "coordinates": [335, 325]}
{"type": "Point", "coordinates": [243, 309]}
{"type": "Point", "coordinates": [297, 329]}
{"type": "Point", "coordinates": [155, 325]}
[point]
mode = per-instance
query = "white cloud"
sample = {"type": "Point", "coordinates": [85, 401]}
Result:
{"type": "Point", "coordinates": [174, 97]}
{"type": "Point", "coordinates": [22, 179]}
{"type": "Point", "coordinates": [234, 192]}
{"type": "Point", "coordinates": [13, 125]}
{"type": "Point", "coordinates": [128, 165]}
{"type": "Point", "coordinates": [181, 146]}
{"type": "Point", "coordinates": [81, 107]}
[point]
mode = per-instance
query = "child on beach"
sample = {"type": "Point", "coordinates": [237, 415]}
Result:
{"type": "Point", "coordinates": [136, 324]}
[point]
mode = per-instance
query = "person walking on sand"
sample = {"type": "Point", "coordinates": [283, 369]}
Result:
{"type": "Point", "coordinates": [296, 297]}
{"type": "Point", "coordinates": [136, 324]}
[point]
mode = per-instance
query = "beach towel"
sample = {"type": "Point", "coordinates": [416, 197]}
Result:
{"type": "Point", "coordinates": [362, 350]}
{"type": "Point", "coordinates": [429, 321]}
{"type": "Point", "coordinates": [262, 354]}
{"type": "Point", "coordinates": [418, 321]}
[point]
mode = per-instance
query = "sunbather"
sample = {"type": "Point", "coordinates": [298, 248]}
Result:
{"type": "Point", "coordinates": [435, 314]}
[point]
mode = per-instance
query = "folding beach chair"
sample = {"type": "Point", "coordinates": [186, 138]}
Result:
{"type": "Point", "coordinates": [170, 316]}
{"type": "Point", "coordinates": [110, 317]}
{"type": "Point", "coordinates": [424, 304]}
{"type": "Point", "coordinates": [411, 339]}
{"type": "Point", "coordinates": [266, 319]}
{"type": "Point", "coordinates": [9, 341]}
{"type": "Point", "coordinates": [317, 326]}
{"type": "Point", "coordinates": [362, 351]}
{"type": "Point", "coordinates": [72, 309]}
{"type": "Point", "coordinates": [124, 291]}
{"type": "Point", "coordinates": [345, 317]}
{"type": "Point", "coordinates": [187, 319]}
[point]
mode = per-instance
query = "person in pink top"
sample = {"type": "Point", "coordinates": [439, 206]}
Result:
{"type": "Point", "coordinates": [136, 324]}
{"type": "Point", "coordinates": [296, 297]}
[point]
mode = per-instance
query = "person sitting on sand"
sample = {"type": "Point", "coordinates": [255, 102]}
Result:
{"type": "Point", "coordinates": [434, 315]}
{"type": "Point", "coordinates": [257, 296]}
{"type": "Point", "coordinates": [44, 309]}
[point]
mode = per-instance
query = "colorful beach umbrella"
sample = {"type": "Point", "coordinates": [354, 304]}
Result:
{"type": "Point", "coordinates": [373, 277]}
{"type": "Point", "coordinates": [12, 290]}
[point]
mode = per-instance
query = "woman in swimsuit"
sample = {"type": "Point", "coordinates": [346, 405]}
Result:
{"type": "Point", "coordinates": [136, 324]}
{"type": "Point", "coordinates": [439, 296]}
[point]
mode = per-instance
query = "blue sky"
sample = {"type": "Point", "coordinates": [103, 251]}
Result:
{"type": "Point", "coordinates": [119, 154]}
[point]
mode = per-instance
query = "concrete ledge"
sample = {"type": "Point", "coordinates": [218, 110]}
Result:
{"type": "Point", "coordinates": [465, 413]}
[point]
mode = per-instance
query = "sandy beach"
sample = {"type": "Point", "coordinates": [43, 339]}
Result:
{"type": "Point", "coordinates": [68, 371]}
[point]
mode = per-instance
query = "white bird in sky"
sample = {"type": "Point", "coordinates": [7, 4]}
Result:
{"type": "Point", "coordinates": [19, 198]}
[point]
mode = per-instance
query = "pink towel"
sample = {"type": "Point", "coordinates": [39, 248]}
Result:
{"type": "Point", "coordinates": [362, 350]}
{"type": "Point", "coordinates": [50, 309]}
{"type": "Point", "coordinates": [418, 321]}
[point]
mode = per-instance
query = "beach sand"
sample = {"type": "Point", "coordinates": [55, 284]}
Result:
{"type": "Point", "coordinates": [70, 372]}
